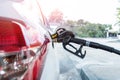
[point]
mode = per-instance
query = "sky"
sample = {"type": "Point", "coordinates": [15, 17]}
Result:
{"type": "Point", "coordinates": [96, 11]}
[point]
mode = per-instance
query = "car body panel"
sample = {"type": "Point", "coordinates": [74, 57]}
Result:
{"type": "Point", "coordinates": [22, 36]}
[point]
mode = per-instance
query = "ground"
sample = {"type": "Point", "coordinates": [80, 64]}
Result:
{"type": "Point", "coordinates": [97, 65]}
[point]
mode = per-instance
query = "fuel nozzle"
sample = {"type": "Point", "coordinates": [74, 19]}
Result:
{"type": "Point", "coordinates": [61, 34]}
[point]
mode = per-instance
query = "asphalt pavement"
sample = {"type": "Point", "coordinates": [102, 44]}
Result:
{"type": "Point", "coordinates": [97, 65]}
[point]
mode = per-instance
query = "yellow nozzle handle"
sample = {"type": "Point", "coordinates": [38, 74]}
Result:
{"type": "Point", "coordinates": [54, 36]}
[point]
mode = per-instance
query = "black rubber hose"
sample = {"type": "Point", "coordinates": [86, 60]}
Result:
{"type": "Point", "coordinates": [94, 45]}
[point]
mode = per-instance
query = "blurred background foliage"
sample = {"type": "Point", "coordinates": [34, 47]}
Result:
{"type": "Point", "coordinates": [80, 27]}
{"type": "Point", "coordinates": [87, 29]}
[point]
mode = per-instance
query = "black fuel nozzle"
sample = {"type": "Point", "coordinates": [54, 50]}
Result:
{"type": "Point", "coordinates": [61, 34]}
{"type": "Point", "coordinates": [64, 36]}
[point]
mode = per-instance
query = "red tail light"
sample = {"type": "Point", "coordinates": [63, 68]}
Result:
{"type": "Point", "coordinates": [11, 36]}
{"type": "Point", "coordinates": [18, 50]}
